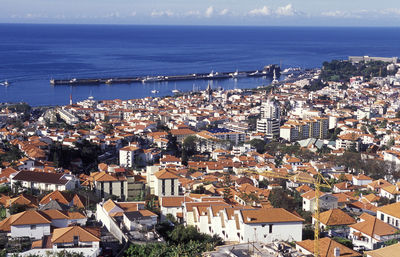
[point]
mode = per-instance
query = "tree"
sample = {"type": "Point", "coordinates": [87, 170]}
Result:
{"type": "Point", "coordinates": [17, 208]}
{"type": "Point", "coordinates": [227, 187]}
{"type": "Point", "coordinates": [344, 241]}
{"type": "Point", "coordinates": [258, 144]}
{"type": "Point", "coordinates": [279, 198]}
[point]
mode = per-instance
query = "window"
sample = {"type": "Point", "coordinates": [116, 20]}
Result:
{"type": "Point", "coordinates": [163, 186]}
{"type": "Point", "coordinates": [33, 227]}
{"type": "Point", "coordinates": [270, 228]}
{"type": "Point", "coordinates": [111, 192]}
{"type": "Point", "coordinates": [122, 188]}
{"type": "Point", "coordinates": [382, 217]}
{"type": "Point", "coordinates": [76, 240]}
{"type": "Point", "coordinates": [172, 187]}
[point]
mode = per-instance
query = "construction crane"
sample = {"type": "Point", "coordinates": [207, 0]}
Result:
{"type": "Point", "coordinates": [317, 184]}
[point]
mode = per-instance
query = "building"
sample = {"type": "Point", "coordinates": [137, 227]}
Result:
{"type": "Point", "coordinates": [388, 251]}
{"type": "Point", "coordinates": [348, 141]}
{"type": "Point", "coordinates": [327, 248]}
{"type": "Point", "coordinates": [44, 181]}
{"type": "Point", "coordinates": [270, 120]}
{"type": "Point", "coordinates": [127, 155]}
{"type": "Point", "coordinates": [371, 233]}
{"type": "Point", "coordinates": [390, 214]}
{"type": "Point", "coordinates": [31, 224]}
{"type": "Point", "coordinates": [326, 201]}
{"type": "Point", "coordinates": [247, 225]}
{"type": "Point", "coordinates": [166, 183]}
{"type": "Point", "coordinates": [67, 116]}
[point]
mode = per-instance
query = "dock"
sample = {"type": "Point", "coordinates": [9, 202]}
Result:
{"type": "Point", "coordinates": [266, 71]}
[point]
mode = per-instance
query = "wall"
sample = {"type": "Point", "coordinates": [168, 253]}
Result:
{"type": "Point", "coordinates": [25, 230]}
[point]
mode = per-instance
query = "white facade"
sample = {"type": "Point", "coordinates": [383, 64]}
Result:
{"type": "Point", "coordinates": [166, 187]}
{"type": "Point", "coordinates": [35, 231]}
{"type": "Point", "coordinates": [326, 201]}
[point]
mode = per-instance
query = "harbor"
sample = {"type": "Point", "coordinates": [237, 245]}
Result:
{"type": "Point", "coordinates": [269, 70]}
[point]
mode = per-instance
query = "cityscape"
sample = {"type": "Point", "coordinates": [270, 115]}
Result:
{"type": "Point", "coordinates": [153, 146]}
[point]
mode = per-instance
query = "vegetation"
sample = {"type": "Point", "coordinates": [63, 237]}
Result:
{"type": "Point", "coordinates": [62, 156]}
{"type": "Point", "coordinates": [180, 241]}
{"type": "Point", "coordinates": [344, 70]}
{"type": "Point", "coordinates": [344, 241]}
{"type": "Point", "coordinates": [12, 153]}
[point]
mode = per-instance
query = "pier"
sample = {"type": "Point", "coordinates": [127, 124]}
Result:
{"type": "Point", "coordinates": [266, 71]}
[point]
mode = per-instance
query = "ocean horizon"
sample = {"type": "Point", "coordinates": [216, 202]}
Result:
{"type": "Point", "coordinates": [32, 54]}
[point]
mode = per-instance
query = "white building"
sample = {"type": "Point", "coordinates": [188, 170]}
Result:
{"type": "Point", "coordinates": [127, 155]}
{"type": "Point", "coordinates": [248, 225]}
{"type": "Point", "coordinates": [166, 183]}
{"type": "Point", "coordinates": [270, 120]}
{"type": "Point", "coordinates": [45, 181]}
{"type": "Point", "coordinates": [326, 201]}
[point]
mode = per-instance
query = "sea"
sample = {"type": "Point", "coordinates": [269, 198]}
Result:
{"type": "Point", "coordinates": [32, 54]}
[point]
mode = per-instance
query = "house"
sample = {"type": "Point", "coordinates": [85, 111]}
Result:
{"type": "Point", "coordinates": [343, 187]}
{"type": "Point", "coordinates": [371, 233]}
{"type": "Point", "coordinates": [245, 225]}
{"type": "Point", "coordinates": [74, 236]}
{"type": "Point", "coordinates": [139, 220]}
{"type": "Point", "coordinates": [390, 214]}
{"type": "Point", "coordinates": [334, 218]}
{"type": "Point", "coordinates": [327, 248]}
{"type": "Point", "coordinates": [166, 183]}
{"type": "Point", "coordinates": [127, 155]}
{"type": "Point", "coordinates": [326, 201]}
{"type": "Point", "coordinates": [361, 180]}
{"type": "Point", "coordinates": [388, 251]}
{"type": "Point", "coordinates": [170, 160]}
{"type": "Point", "coordinates": [266, 225]}
{"type": "Point", "coordinates": [31, 224]}
{"type": "Point", "coordinates": [173, 205]}
{"type": "Point", "coordinates": [74, 240]}
{"type": "Point", "coordinates": [44, 181]}
{"type": "Point", "coordinates": [391, 192]}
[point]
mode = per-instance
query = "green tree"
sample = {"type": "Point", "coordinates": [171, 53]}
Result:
{"type": "Point", "coordinates": [227, 187]}
{"type": "Point", "coordinates": [258, 144]}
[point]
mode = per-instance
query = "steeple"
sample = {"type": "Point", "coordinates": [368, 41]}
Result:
{"type": "Point", "coordinates": [209, 92]}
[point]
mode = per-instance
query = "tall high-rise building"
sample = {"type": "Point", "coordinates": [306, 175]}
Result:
{"type": "Point", "coordinates": [270, 120]}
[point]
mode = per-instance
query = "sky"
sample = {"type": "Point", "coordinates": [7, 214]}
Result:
{"type": "Point", "coordinates": [204, 12]}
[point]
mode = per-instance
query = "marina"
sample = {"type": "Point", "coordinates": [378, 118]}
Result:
{"type": "Point", "coordinates": [268, 70]}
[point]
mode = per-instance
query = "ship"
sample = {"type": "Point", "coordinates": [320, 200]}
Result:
{"type": "Point", "coordinates": [5, 83]}
{"type": "Point", "coordinates": [154, 91]}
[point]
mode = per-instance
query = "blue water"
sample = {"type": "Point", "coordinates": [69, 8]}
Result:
{"type": "Point", "coordinates": [32, 54]}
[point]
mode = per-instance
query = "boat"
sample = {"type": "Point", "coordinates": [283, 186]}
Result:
{"type": "Point", "coordinates": [212, 74]}
{"type": "Point", "coordinates": [154, 91]}
{"type": "Point", "coordinates": [109, 81]}
{"type": "Point", "coordinates": [237, 74]}
{"type": "Point", "coordinates": [291, 70]}
{"type": "Point", "coordinates": [73, 80]}
{"type": "Point", "coordinates": [152, 79]}
{"type": "Point", "coordinates": [5, 83]}
{"type": "Point", "coordinates": [175, 91]}
{"type": "Point", "coordinates": [254, 73]}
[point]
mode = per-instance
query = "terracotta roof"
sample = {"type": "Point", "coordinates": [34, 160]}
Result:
{"type": "Point", "coordinates": [66, 235]}
{"type": "Point", "coordinates": [166, 174]}
{"type": "Point", "coordinates": [61, 197]}
{"type": "Point", "coordinates": [336, 217]}
{"type": "Point", "coordinates": [41, 177]}
{"type": "Point", "coordinates": [372, 226]}
{"type": "Point", "coordinates": [174, 201]}
{"type": "Point", "coordinates": [271, 215]}
{"type": "Point", "coordinates": [28, 218]}
{"type": "Point", "coordinates": [327, 247]}
{"type": "Point", "coordinates": [391, 209]}
{"type": "Point", "coordinates": [388, 251]}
